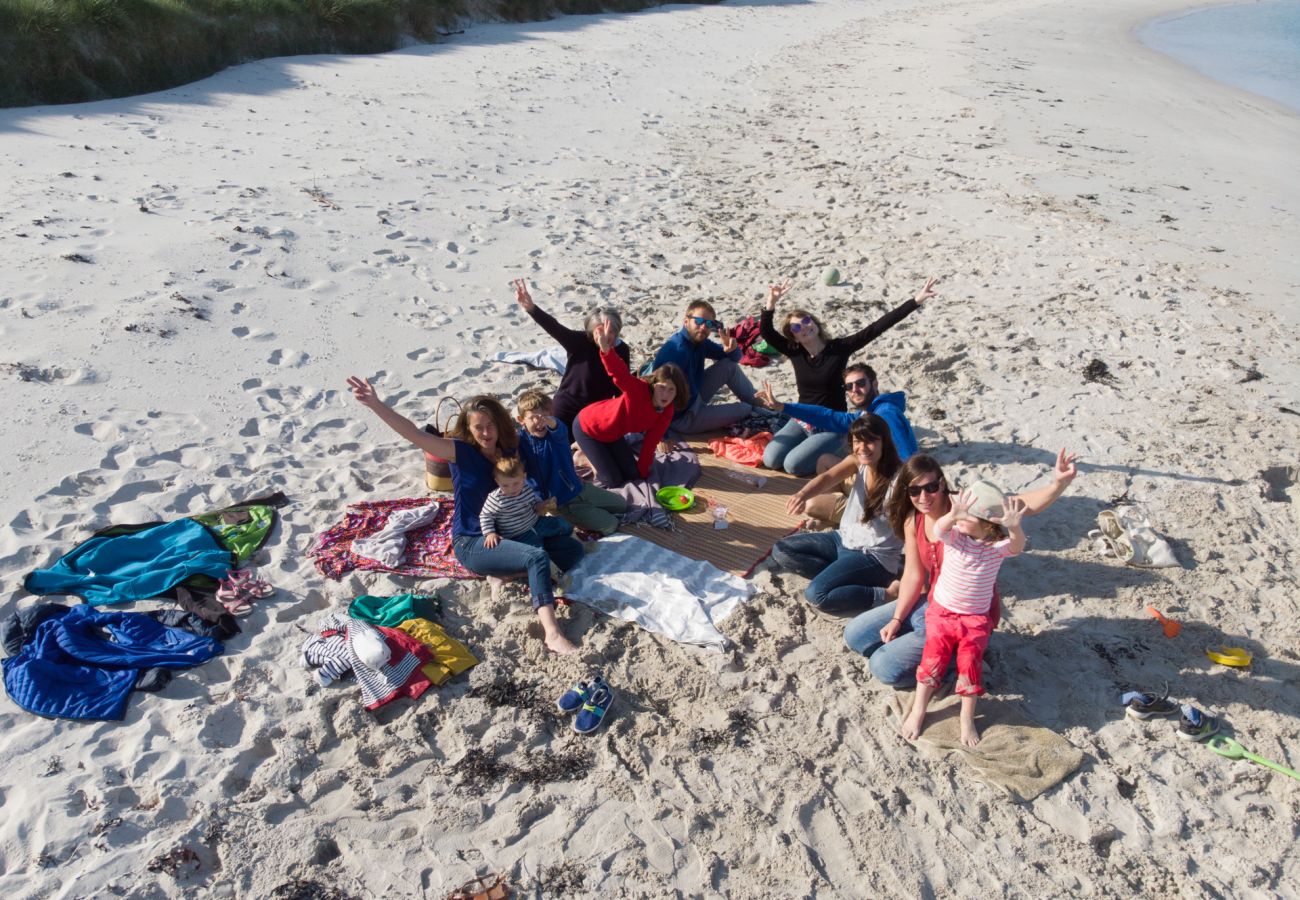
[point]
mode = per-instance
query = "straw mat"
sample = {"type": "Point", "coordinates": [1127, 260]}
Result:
{"type": "Point", "coordinates": [756, 517]}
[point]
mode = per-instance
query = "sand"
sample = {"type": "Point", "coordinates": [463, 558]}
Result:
{"type": "Point", "coordinates": [186, 279]}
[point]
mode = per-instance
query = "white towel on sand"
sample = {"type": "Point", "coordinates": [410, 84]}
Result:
{"type": "Point", "coordinates": [662, 591]}
{"type": "Point", "coordinates": [388, 545]}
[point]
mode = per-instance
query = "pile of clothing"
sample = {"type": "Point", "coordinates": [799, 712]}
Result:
{"type": "Point", "coordinates": [76, 662]}
{"type": "Point", "coordinates": [83, 663]}
{"type": "Point", "coordinates": [390, 645]}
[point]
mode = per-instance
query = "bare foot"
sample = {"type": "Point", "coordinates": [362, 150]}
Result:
{"type": "Point", "coordinates": [891, 592]}
{"type": "Point", "coordinates": [970, 735]}
{"type": "Point", "coordinates": [558, 643]}
{"type": "Point", "coordinates": [911, 729]}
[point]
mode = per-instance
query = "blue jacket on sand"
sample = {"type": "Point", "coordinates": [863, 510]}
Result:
{"type": "Point", "coordinates": [891, 407]}
{"type": "Point", "coordinates": [137, 566]}
{"type": "Point", "coordinates": [690, 356]}
{"type": "Point", "coordinates": [549, 464]}
{"type": "Point", "coordinates": [84, 663]}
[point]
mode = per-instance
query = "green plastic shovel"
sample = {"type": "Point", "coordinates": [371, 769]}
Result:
{"type": "Point", "coordinates": [1226, 746]}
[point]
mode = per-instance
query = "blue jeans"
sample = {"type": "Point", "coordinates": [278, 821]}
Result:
{"type": "Point", "coordinates": [700, 416]}
{"type": "Point", "coordinates": [512, 557]}
{"type": "Point", "coordinates": [546, 527]}
{"type": "Point", "coordinates": [792, 448]}
{"type": "Point", "coordinates": [843, 580]}
{"type": "Point", "coordinates": [893, 663]}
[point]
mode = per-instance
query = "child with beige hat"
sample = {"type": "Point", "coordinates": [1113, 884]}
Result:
{"type": "Point", "coordinates": [980, 531]}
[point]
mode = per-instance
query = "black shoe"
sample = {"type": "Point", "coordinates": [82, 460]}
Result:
{"type": "Point", "coordinates": [1146, 706]}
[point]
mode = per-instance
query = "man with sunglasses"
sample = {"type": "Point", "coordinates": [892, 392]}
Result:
{"type": "Point", "coordinates": [862, 391]}
{"type": "Point", "coordinates": [709, 367]}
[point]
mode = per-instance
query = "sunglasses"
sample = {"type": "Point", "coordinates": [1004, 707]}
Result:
{"type": "Point", "coordinates": [859, 385]}
{"type": "Point", "coordinates": [930, 487]}
{"type": "Point", "coordinates": [707, 323]}
{"type": "Point", "coordinates": [796, 327]}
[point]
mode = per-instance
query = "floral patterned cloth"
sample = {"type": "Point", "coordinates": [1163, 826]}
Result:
{"type": "Point", "coordinates": [428, 549]}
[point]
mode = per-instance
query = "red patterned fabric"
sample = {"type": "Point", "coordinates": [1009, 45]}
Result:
{"type": "Point", "coordinates": [428, 549]}
{"type": "Point", "coordinates": [747, 334]}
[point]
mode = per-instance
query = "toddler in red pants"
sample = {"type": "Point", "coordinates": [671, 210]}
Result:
{"type": "Point", "coordinates": [980, 531]}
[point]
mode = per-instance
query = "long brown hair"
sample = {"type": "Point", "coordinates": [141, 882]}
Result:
{"type": "Point", "coordinates": [900, 505]}
{"type": "Point", "coordinates": [507, 437]}
{"type": "Point", "coordinates": [871, 425]}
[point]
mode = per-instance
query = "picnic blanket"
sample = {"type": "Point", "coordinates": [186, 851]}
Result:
{"type": "Point", "coordinates": [1015, 755]}
{"type": "Point", "coordinates": [428, 549]}
{"type": "Point", "coordinates": [662, 591]}
{"type": "Point", "coordinates": [756, 517]}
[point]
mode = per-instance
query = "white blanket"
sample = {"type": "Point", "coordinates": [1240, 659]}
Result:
{"type": "Point", "coordinates": [662, 591]}
{"type": "Point", "coordinates": [554, 358]}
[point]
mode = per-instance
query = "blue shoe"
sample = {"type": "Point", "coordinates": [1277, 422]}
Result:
{"type": "Point", "coordinates": [1196, 725]}
{"type": "Point", "coordinates": [594, 709]}
{"type": "Point", "coordinates": [573, 698]}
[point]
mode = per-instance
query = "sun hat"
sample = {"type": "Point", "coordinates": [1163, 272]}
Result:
{"type": "Point", "coordinates": [990, 502]}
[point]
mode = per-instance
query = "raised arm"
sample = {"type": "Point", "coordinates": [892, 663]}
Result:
{"type": "Point", "coordinates": [1011, 515]}
{"type": "Point", "coordinates": [365, 395]}
{"type": "Point", "coordinates": [856, 342]}
{"type": "Point", "coordinates": [765, 327]}
{"type": "Point", "coordinates": [569, 338]}
{"type": "Point", "coordinates": [1039, 499]}
{"type": "Point", "coordinates": [614, 364]}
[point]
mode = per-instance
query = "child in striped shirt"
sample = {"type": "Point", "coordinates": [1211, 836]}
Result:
{"type": "Point", "coordinates": [513, 511]}
{"type": "Point", "coordinates": [980, 531]}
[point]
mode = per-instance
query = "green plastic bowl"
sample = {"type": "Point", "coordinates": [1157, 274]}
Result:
{"type": "Point", "coordinates": [675, 499]}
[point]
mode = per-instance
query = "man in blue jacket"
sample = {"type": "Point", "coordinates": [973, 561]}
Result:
{"type": "Point", "coordinates": [689, 349]}
{"type": "Point", "coordinates": [862, 390]}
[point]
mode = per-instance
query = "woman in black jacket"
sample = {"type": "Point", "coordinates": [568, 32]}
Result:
{"type": "Point", "coordinates": [585, 380]}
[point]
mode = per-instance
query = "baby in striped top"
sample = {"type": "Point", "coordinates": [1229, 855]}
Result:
{"type": "Point", "coordinates": [511, 512]}
{"type": "Point", "coordinates": [980, 531]}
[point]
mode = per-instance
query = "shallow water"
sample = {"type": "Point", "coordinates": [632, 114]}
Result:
{"type": "Point", "coordinates": [1253, 46]}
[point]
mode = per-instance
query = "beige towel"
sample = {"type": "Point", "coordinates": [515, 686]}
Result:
{"type": "Point", "coordinates": [1015, 753]}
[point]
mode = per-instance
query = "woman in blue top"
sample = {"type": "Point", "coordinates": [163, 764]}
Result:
{"type": "Point", "coordinates": [482, 434]}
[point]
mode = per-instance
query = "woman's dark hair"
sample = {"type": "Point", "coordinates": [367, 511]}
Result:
{"type": "Point", "coordinates": [795, 314]}
{"type": "Point", "coordinates": [871, 425]}
{"type": "Point", "coordinates": [507, 437]}
{"type": "Point", "coordinates": [901, 507]}
{"type": "Point", "coordinates": [671, 373]}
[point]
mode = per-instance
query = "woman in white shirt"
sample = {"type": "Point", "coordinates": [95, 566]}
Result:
{"type": "Point", "coordinates": [856, 567]}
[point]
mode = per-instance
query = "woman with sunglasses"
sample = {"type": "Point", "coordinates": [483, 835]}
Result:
{"type": "Point", "coordinates": [818, 362]}
{"type": "Point", "coordinates": [585, 380]}
{"type": "Point", "coordinates": [481, 435]}
{"type": "Point", "coordinates": [892, 636]}
{"type": "Point", "coordinates": [850, 568]}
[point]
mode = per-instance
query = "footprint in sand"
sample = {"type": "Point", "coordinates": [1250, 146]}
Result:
{"type": "Point", "coordinates": [292, 359]}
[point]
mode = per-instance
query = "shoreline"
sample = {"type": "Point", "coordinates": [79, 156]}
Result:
{"type": "Point", "coordinates": [254, 238]}
{"type": "Point", "coordinates": [1280, 105]}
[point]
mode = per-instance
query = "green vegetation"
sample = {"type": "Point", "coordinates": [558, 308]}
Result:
{"type": "Point", "coordinates": [64, 51]}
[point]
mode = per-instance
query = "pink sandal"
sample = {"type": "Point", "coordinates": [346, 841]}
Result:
{"type": "Point", "coordinates": [238, 590]}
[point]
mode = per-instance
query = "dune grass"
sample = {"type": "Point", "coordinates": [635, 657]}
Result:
{"type": "Point", "coordinates": [63, 51]}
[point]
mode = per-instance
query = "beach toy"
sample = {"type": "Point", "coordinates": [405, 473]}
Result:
{"type": "Point", "coordinates": [675, 499]}
{"type": "Point", "coordinates": [1230, 749]}
{"type": "Point", "coordinates": [830, 276]}
{"type": "Point", "coordinates": [1170, 626]}
{"type": "Point", "coordinates": [1229, 656]}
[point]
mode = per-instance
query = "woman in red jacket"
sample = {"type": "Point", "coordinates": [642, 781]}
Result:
{"type": "Point", "coordinates": [644, 405]}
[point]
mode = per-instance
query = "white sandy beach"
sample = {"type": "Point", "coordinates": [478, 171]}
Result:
{"type": "Point", "coordinates": [252, 239]}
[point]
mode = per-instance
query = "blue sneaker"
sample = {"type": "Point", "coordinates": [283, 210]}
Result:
{"type": "Point", "coordinates": [593, 710]}
{"type": "Point", "coordinates": [573, 698]}
{"type": "Point", "coordinates": [1196, 725]}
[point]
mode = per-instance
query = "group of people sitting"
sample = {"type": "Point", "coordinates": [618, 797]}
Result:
{"type": "Point", "coordinates": [891, 512]}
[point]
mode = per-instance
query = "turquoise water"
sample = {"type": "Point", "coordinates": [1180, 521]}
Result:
{"type": "Point", "coordinates": [1254, 46]}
